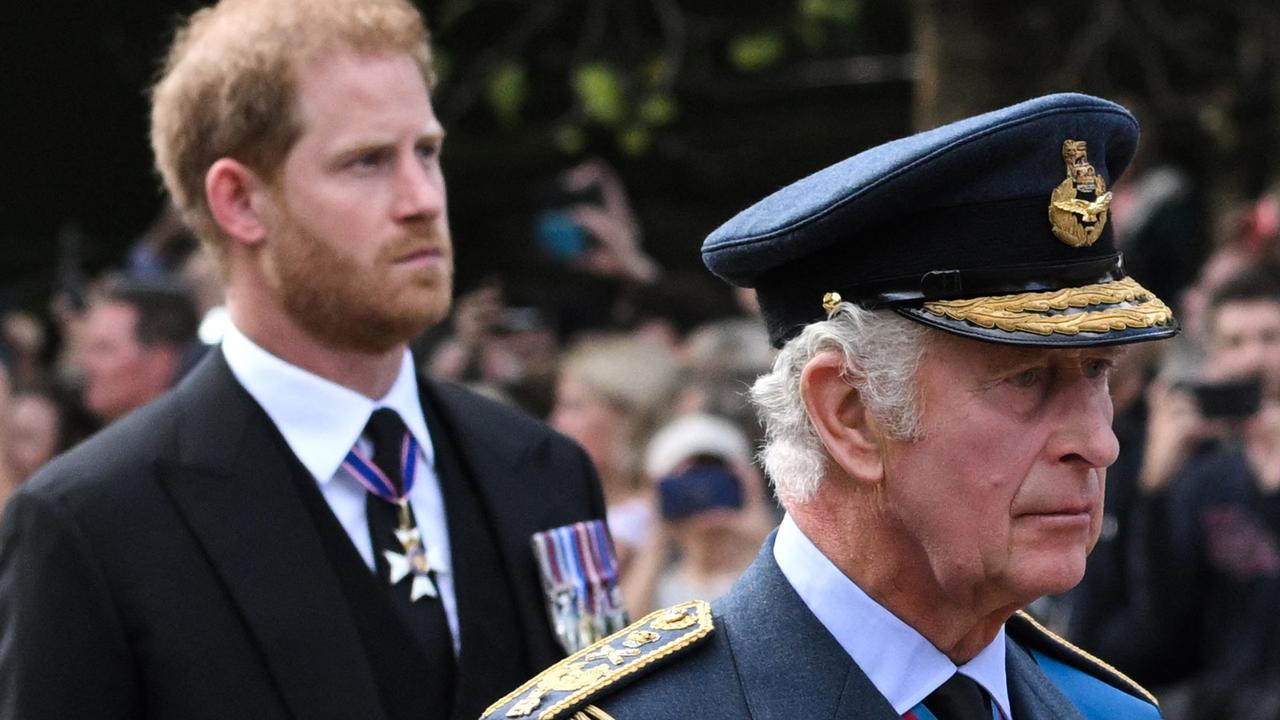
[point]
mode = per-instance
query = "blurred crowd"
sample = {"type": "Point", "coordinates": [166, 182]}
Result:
{"type": "Point", "coordinates": [651, 382]}
{"type": "Point", "coordinates": [1180, 592]}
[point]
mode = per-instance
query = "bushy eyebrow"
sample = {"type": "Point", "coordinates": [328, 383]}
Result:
{"type": "Point", "coordinates": [1017, 357]}
{"type": "Point", "coordinates": [431, 134]}
{"type": "Point", "coordinates": [434, 132]}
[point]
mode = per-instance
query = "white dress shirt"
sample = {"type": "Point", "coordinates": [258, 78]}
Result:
{"type": "Point", "coordinates": [900, 662]}
{"type": "Point", "coordinates": [321, 421]}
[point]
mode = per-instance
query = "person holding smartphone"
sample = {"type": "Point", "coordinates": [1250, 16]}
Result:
{"type": "Point", "coordinates": [1206, 580]}
{"type": "Point", "coordinates": [711, 510]}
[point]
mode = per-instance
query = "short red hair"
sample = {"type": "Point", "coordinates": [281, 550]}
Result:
{"type": "Point", "coordinates": [228, 86]}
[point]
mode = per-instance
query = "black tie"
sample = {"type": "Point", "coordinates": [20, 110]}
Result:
{"type": "Point", "coordinates": [959, 698]}
{"type": "Point", "coordinates": [425, 616]}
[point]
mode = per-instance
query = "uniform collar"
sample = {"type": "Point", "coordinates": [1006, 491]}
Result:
{"type": "Point", "coordinates": [903, 665]}
{"type": "Point", "coordinates": [319, 419]}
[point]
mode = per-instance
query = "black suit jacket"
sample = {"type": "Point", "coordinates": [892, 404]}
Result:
{"type": "Point", "coordinates": [167, 568]}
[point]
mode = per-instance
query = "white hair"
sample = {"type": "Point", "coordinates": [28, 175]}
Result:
{"type": "Point", "coordinates": [882, 352]}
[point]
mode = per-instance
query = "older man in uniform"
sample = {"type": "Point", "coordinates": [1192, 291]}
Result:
{"type": "Point", "coordinates": [938, 429]}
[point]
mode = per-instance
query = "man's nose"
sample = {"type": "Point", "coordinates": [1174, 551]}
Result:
{"type": "Point", "coordinates": [1253, 357]}
{"type": "Point", "coordinates": [1085, 436]}
{"type": "Point", "coordinates": [420, 191]}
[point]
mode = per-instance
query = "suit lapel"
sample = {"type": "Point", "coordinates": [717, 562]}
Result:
{"type": "Point", "coordinates": [231, 482]}
{"type": "Point", "coordinates": [517, 504]}
{"type": "Point", "coordinates": [790, 666]}
{"type": "Point", "coordinates": [1031, 694]}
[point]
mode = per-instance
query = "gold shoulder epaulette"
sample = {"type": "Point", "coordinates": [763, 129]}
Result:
{"type": "Point", "coordinates": [1064, 650]}
{"type": "Point", "coordinates": [586, 674]}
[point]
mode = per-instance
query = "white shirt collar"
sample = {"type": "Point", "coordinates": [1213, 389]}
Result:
{"type": "Point", "coordinates": [903, 665]}
{"type": "Point", "coordinates": [319, 419]}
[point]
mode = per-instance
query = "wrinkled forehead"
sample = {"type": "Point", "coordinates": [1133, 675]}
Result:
{"type": "Point", "coordinates": [361, 81]}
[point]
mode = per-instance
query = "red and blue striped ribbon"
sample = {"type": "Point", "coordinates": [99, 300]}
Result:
{"type": "Point", "coordinates": [580, 574]}
{"type": "Point", "coordinates": [376, 481]}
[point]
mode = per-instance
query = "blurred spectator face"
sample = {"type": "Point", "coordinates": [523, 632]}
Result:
{"type": "Point", "coordinates": [590, 420]}
{"type": "Point", "coordinates": [120, 373]}
{"type": "Point", "coordinates": [701, 465]}
{"type": "Point", "coordinates": [610, 392]}
{"type": "Point", "coordinates": [34, 429]}
{"type": "Point", "coordinates": [1220, 267]}
{"type": "Point", "coordinates": [1245, 340]}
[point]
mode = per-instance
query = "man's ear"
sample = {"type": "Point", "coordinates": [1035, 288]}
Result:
{"type": "Point", "coordinates": [852, 437]}
{"type": "Point", "coordinates": [236, 198]}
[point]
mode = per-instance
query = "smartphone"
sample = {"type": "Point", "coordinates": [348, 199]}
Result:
{"type": "Point", "coordinates": [559, 236]}
{"type": "Point", "coordinates": [697, 489]}
{"type": "Point", "coordinates": [1236, 398]}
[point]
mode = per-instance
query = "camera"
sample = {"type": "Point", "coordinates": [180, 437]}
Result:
{"type": "Point", "coordinates": [1218, 399]}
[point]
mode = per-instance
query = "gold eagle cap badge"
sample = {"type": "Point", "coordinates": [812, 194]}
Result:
{"type": "Point", "coordinates": [1078, 221]}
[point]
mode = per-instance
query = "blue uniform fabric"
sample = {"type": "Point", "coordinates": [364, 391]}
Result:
{"type": "Point", "coordinates": [770, 659]}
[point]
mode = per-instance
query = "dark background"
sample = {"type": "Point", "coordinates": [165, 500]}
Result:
{"type": "Point", "coordinates": [757, 93]}
{"type": "Point", "coordinates": [78, 160]}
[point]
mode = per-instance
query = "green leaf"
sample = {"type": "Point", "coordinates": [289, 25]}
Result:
{"type": "Point", "coordinates": [507, 90]}
{"type": "Point", "coordinates": [835, 11]}
{"type": "Point", "coordinates": [756, 52]}
{"type": "Point", "coordinates": [634, 141]}
{"type": "Point", "coordinates": [600, 93]}
{"type": "Point", "coordinates": [657, 110]}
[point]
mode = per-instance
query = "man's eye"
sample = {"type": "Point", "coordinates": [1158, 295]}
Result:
{"type": "Point", "coordinates": [367, 160]}
{"type": "Point", "coordinates": [428, 151]}
{"type": "Point", "coordinates": [1027, 378]}
{"type": "Point", "coordinates": [1097, 368]}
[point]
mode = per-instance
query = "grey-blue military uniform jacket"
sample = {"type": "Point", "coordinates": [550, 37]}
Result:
{"type": "Point", "coordinates": [759, 653]}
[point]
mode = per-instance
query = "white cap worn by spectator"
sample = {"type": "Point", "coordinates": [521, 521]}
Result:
{"type": "Point", "coordinates": [692, 435]}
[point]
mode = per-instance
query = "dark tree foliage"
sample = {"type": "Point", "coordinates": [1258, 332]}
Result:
{"type": "Point", "coordinates": [702, 106]}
